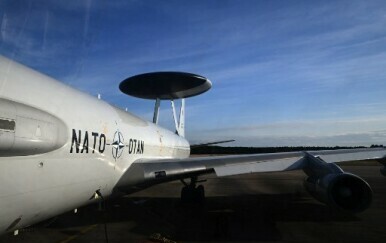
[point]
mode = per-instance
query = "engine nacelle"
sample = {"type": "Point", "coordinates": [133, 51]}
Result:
{"type": "Point", "coordinates": [342, 191]}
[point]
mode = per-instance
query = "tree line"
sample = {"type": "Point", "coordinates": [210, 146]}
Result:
{"type": "Point", "coordinates": [257, 150]}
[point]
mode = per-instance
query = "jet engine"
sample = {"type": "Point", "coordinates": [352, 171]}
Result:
{"type": "Point", "coordinates": [342, 191]}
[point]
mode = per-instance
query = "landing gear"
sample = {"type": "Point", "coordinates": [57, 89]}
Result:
{"type": "Point", "coordinates": [192, 194]}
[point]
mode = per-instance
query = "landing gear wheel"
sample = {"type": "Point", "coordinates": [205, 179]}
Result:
{"type": "Point", "coordinates": [186, 194]}
{"type": "Point", "coordinates": [190, 194]}
{"type": "Point", "coordinates": [200, 194]}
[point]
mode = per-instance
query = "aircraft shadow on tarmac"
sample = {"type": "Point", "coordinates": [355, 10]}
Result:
{"type": "Point", "coordinates": [236, 218]}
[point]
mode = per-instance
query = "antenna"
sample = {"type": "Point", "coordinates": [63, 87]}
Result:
{"type": "Point", "coordinates": [179, 121]}
{"type": "Point", "coordinates": [166, 86]}
{"type": "Point", "coordinates": [181, 127]}
{"type": "Point", "coordinates": [156, 110]}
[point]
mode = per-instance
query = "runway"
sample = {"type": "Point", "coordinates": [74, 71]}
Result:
{"type": "Point", "coordinates": [265, 207]}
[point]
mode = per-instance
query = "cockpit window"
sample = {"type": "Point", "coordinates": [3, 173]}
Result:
{"type": "Point", "coordinates": [8, 125]}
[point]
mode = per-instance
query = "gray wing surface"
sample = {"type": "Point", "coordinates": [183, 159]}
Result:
{"type": "Point", "coordinates": [144, 173]}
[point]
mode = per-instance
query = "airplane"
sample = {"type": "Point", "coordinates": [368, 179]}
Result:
{"type": "Point", "coordinates": [61, 149]}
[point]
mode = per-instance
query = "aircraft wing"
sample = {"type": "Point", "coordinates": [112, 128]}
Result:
{"type": "Point", "coordinates": [143, 173]}
{"type": "Point", "coordinates": [211, 143]}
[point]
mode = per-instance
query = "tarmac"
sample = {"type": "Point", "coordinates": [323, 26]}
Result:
{"type": "Point", "coordinates": [264, 207]}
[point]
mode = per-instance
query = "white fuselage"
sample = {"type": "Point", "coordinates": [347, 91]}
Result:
{"type": "Point", "coordinates": [48, 165]}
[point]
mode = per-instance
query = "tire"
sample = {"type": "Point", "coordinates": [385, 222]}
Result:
{"type": "Point", "coordinates": [200, 194]}
{"type": "Point", "coordinates": [187, 195]}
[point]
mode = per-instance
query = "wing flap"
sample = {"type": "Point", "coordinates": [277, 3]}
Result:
{"type": "Point", "coordinates": [292, 163]}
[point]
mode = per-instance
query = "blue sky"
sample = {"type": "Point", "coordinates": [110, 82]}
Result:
{"type": "Point", "coordinates": [283, 72]}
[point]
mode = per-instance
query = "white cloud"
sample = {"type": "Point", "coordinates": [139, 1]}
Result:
{"type": "Point", "coordinates": [331, 132]}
